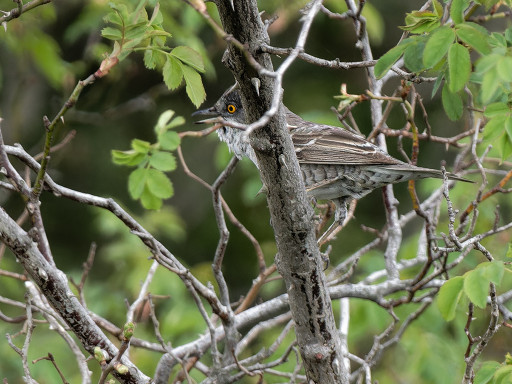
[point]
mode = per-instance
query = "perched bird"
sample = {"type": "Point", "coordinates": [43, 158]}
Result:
{"type": "Point", "coordinates": [336, 164]}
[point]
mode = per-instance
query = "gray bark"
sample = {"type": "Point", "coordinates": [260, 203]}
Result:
{"type": "Point", "coordinates": [53, 283]}
{"type": "Point", "coordinates": [299, 260]}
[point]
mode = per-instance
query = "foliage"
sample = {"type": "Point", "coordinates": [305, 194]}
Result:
{"type": "Point", "coordinates": [134, 30]}
{"type": "Point", "coordinates": [148, 182]}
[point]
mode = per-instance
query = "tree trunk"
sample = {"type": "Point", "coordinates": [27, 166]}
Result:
{"type": "Point", "coordinates": [298, 260]}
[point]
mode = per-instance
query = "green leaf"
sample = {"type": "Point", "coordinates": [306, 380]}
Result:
{"type": "Point", "coordinates": [163, 161]}
{"type": "Point", "coordinates": [496, 109]}
{"type": "Point", "coordinates": [508, 127]}
{"type": "Point", "coordinates": [457, 10]}
{"type": "Point", "coordinates": [111, 33]}
{"type": "Point", "coordinates": [172, 72]}
{"type": "Point", "coordinates": [194, 88]}
{"type": "Point", "coordinates": [136, 31]}
{"type": "Point", "coordinates": [163, 120]}
{"type": "Point", "coordinates": [166, 121]}
{"type": "Point", "coordinates": [188, 56]}
{"type": "Point", "coordinates": [437, 46]}
{"type": "Point", "coordinates": [503, 375]}
{"type": "Point", "coordinates": [129, 158]}
{"type": "Point", "coordinates": [421, 21]}
{"type": "Point", "coordinates": [476, 287]}
{"type": "Point", "coordinates": [149, 200]}
{"type": "Point", "coordinates": [437, 84]}
{"type": "Point", "coordinates": [486, 372]}
{"type": "Point", "coordinates": [473, 36]}
{"type": "Point", "coordinates": [113, 18]}
{"type": "Point", "coordinates": [508, 34]}
{"type": "Point", "coordinates": [509, 250]}
{"type": "Point", "coordinates": [459, 67]}
{"type": "Point", "coordinates": [438, 8]}
{"type": "Point", "coordinates": [159, 184]}
{"type": "Point", "coordinates": [490, 85]}
{"type": "Point", "coordinates": [504, 68]}
{"type": "Point", "coordinates": [452, 103]}
{"type": "Point", "coordinates": [493, 271]}
{"type": "Point", "coordinates": [505, 147]}
{"type": "Point", "coordinates": [494, 127]}
{"type": "Point", "coordinates": [387, 60]}
{"type": "Point", "coordinates": [413, 55]}
{"type": "Point", "coordinates": [169, 140]}
{"type": "Point", "coordinates": [137, 182]}
{"type": "Point", "coordinates": [449, 297]}
{"type": "Point", "coordinates": [150, 58]}
{"type": "Point", "coordinates": [141, 146]}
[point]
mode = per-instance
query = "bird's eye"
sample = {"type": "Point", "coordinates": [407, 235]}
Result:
{"type": "Point", "coordinates": [231, 108]}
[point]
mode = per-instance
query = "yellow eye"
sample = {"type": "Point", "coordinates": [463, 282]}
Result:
{"type": "Point", "coordinates": [231, 108]}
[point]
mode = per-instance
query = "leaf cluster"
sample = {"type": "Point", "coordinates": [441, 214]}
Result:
{"type": "Point", "coordinates": [148, 182]}
{"type": "Point", "coordinates": [134, 30]}
{"type": "Point", "coordinates": [465, 57]}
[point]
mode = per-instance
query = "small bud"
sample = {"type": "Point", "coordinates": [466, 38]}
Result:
{"type": "Point", "coordinates": [121, 368]}
{"type": "Point", "coordinates": [128, 330]}
{"type": "Point", "coordinates": [99, 354]}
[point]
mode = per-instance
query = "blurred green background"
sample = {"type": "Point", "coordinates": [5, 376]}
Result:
{"type": "Point", "coordinates": [42, 56]}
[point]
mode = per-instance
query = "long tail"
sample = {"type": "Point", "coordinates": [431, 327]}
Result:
{"type": "Point", "coordinates": [423, 173]}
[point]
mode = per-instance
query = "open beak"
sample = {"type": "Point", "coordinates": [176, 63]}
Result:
{"type": "Point", "coordinates": [212, 111]}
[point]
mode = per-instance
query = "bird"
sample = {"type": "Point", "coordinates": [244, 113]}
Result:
{"type": "Point", "coordinates": [336, 164]}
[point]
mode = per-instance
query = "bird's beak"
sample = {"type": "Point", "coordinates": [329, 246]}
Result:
{"type": "Point", "coordinates": [212, 111]}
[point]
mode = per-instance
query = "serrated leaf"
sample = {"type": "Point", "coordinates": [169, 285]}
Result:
{"type": "Point", "coordinates": [437, 46]}
{"type": "Point", "coordinates": [449, 297]}
{"type": "Point", "coordinates": [452, 103]}
{"type": "Point", "coordinates": [472, 35]}
{"type": "Point", "coordinates": [169, 140]}
{"type": "Point", "coordinates": [194, 85]}
{"type": "Point", "coordinates": [163, 120]}
{"type": "Point", "coordinates": [113, 18]}
{"type": "Point", "coordinates": [387, 60]}
{"type": "Point", "coordinates": [149, 200]}
{"type": "Point", "coordinates": [159, 184]}
{"type": "Point", "coordinates": [459, 67]}
{"type": "Point", "coordinates": [135, 31]}
{"type": "Point", "coordinates": [188, 56]}
{"type": "Point", "coordinates": [486, 372]}
{"type": "Point", "coordinates": [172, 73]}
{"type": "Point", "coordinates": [129, 158]}
{"type": "Point", "coordinates": [111, 33]}
{"type": "Point", "coordinates": [476, 287]}
{"type": "Point", "coordinates": [149, 59]}
{"type": "Point", "coordinates": [140, 146]}
{"type": "Point", "coordinates": [137, 182]}
{"type": "Point", "coordinates": [163, 161]}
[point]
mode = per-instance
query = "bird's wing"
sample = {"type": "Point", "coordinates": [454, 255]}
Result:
{"type": "Point", "coordinates": [323, 144]}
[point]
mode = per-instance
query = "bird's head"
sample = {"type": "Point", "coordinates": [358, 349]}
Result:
{"type": "Point", "coordinates": [229, 107]}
